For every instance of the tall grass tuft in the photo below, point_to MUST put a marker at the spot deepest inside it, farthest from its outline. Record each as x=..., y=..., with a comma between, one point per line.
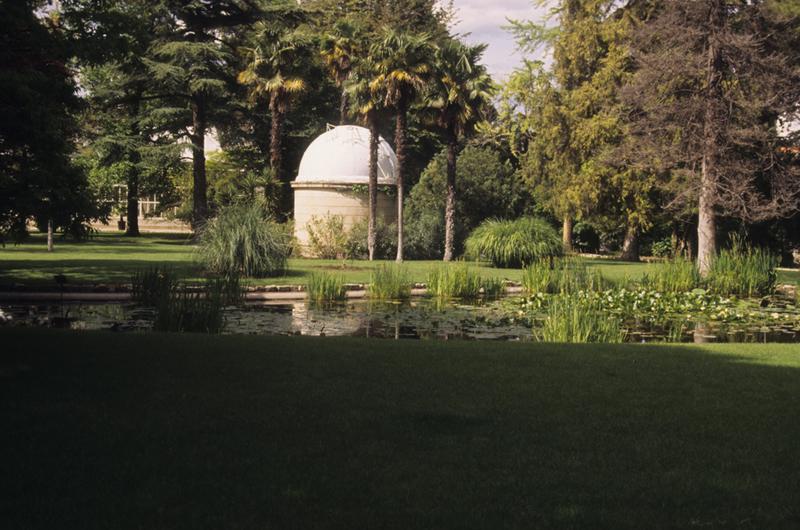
x=151, y=285
x=459, y=281
x=325, y=287
x=743, y=270
x=573, y=320
x=677, y=275
x=561, y=276
x=242, y=239
x=514, y=243
x=390, y=282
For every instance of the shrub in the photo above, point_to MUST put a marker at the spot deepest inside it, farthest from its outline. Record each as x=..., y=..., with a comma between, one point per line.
x=459, y=281
x=385, y=240
x=561, y=275
x=244, y=240
x=662, y=248
x=673, y=276
x=324, y=287
x=571, y=319
x=389, y=282
x=514, y=243
x=743, y=270
x=327, y=238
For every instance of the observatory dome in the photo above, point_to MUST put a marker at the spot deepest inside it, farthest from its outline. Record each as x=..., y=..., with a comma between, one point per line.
x=341, y=156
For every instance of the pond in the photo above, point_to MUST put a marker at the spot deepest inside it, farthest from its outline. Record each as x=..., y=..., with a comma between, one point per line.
x=419, y=319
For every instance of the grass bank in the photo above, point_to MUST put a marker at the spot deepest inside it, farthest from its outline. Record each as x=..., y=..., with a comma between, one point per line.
x=112, y=259
x=110, y=430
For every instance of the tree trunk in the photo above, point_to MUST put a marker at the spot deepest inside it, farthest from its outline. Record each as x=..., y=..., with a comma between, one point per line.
x=343, y=104
x=400, y=147
x=198, y=139
x=630, y=246
x=132, y=228
x=49, y=235
x=566, y=233
x=450, y=201
x=373, y=185
x=276, y=147
x=134, y=157
x=706, y=223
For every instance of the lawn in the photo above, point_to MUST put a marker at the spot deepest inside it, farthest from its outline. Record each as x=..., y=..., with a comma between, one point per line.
x=105, y=430
x=111, y=259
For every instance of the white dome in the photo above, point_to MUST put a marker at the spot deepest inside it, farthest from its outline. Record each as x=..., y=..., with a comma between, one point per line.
x=341, y=156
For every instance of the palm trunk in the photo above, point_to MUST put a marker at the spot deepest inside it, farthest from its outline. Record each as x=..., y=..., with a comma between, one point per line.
x=373, y=185
x=343, y=108
x=706, y=222
x=450, y=202
x=630, y=246
x=401, y=129
x=198, y=139
x=566, y=233
x=276, y=147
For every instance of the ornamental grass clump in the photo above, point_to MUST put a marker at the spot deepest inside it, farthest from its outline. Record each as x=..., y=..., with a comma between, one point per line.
x=561, y=276
x=459, y=281
x=244, y=240
x=574, y=320
x=673, y=276
x=390, y=282
x=513, y=244
x=743, y=270
x=191, y=311
x=324, y=287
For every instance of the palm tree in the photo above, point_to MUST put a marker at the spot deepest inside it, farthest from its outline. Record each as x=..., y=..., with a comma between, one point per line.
x=403, y=65
x=368, y=104
x=338, y=50
x=459, y=95
x=277, y=68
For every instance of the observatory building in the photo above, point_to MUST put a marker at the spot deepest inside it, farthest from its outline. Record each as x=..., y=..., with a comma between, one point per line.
x=333, y=179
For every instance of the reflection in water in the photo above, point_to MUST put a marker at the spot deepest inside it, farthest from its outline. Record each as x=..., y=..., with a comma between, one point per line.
x=419, y=319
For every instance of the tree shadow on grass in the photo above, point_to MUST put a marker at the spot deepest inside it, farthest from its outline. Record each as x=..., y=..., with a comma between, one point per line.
x=278, y=432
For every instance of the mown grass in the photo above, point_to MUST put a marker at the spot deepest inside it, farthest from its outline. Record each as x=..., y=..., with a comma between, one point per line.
x=105, y=430
x=113, y=259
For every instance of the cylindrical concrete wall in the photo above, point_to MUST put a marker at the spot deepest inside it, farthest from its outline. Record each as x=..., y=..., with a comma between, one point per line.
x=321, y=200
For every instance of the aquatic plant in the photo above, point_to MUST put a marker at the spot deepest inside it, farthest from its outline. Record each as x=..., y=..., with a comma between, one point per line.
x=570, y=319
x=513, y=243
x=672, y=276
x=389, y=282
x=244, y=240
x=190, y=311
x=454, y=281
x=561, y=275
x=324, y=287
x=150, y=286
x=743, y=270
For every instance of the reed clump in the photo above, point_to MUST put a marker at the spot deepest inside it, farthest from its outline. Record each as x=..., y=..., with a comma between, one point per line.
x=572, y=320
x=678, y=275
x=325, y=287
x=390, y=282
x=743, y=270
x=459, y=281
x=566, y=275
